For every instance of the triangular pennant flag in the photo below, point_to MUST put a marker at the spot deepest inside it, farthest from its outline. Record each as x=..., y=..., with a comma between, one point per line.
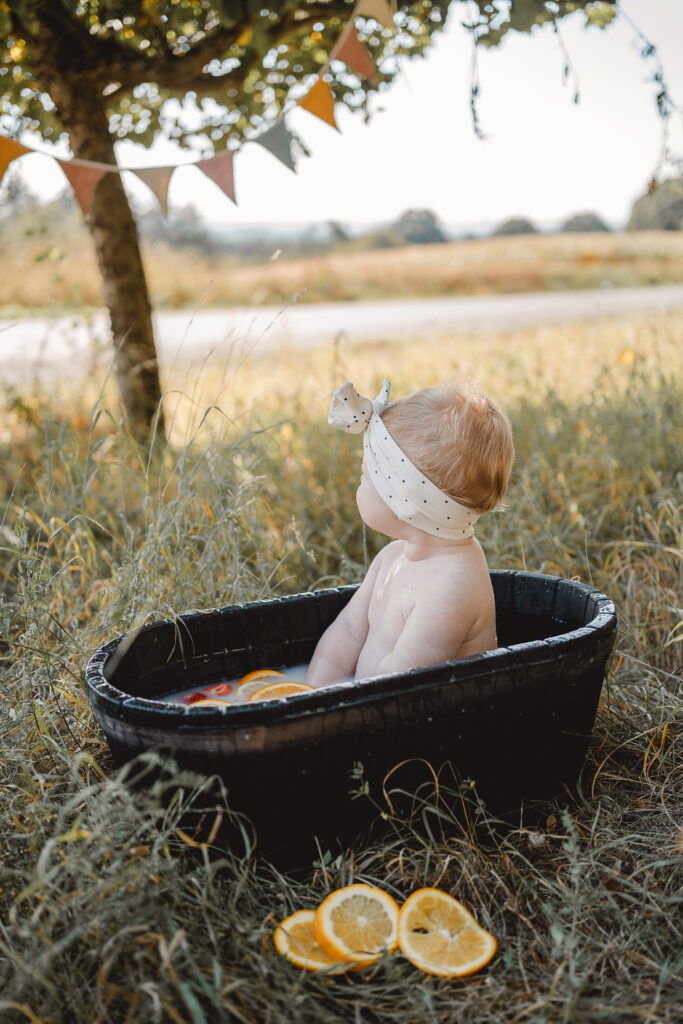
x=220, y=169
x=320, y=101
x=279, y=142
x=380, y=10
x=9, y=151
x=158, y=179
x=83, y=180
x=352, y=52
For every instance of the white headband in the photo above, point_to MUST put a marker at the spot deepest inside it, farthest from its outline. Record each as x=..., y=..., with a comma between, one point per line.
x=410, y=495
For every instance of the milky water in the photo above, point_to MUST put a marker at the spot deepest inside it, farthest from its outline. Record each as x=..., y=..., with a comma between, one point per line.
x=225, y=689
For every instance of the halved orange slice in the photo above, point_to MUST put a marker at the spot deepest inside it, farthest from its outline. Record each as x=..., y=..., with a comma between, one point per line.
x=357, y=923
x=258, y=673
x=287, y=688
x=439, y=936
x=295, y=939
x=256, y=680
x=209, y=702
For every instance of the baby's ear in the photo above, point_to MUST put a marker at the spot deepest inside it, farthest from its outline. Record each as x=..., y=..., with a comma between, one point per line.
x=348, y=410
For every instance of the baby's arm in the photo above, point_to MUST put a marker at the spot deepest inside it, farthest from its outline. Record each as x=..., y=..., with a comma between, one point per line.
x=336, y=654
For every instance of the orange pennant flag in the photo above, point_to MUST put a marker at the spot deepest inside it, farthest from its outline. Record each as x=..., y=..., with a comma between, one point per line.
x=9, y=151
x=320, y=101
x=220, y=169
x=352, y=52
x=83, y=180
x=157, y=179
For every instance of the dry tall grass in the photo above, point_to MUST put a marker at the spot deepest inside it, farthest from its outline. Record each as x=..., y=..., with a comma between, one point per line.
x=41, y=274
x=108, y=911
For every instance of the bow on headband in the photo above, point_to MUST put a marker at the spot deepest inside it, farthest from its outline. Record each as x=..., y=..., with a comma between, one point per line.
x=410, y=495
x=351, y=412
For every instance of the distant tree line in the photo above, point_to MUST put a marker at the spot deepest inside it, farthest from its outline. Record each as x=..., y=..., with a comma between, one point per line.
x=660, y=209
x=578, y=222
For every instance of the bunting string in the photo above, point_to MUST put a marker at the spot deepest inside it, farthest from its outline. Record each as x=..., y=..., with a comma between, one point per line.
x=85, y=175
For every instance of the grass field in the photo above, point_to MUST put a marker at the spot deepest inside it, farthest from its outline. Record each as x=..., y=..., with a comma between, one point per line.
x=48, y=273
x=110, y=914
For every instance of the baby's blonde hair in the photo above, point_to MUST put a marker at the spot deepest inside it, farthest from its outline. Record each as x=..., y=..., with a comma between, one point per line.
x=457, y=437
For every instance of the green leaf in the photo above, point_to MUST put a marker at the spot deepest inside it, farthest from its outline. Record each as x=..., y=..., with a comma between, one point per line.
x=600, y=13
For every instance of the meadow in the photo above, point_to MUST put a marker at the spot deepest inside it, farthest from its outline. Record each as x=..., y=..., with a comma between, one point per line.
x=64, y=273
x=110, y=910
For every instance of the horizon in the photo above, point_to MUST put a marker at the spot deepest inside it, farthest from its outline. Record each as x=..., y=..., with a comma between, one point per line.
x=456, y=232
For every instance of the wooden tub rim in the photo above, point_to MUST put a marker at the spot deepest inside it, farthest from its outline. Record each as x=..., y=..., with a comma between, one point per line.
x=110, y=702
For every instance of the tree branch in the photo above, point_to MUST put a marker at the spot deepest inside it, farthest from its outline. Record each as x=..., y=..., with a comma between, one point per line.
x=184, y=72
x=64, y=47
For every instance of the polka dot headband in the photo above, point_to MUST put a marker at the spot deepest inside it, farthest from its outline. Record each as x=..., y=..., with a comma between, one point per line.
x=410, y=495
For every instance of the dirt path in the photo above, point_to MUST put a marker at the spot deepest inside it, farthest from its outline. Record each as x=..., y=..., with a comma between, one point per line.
x=41, y=345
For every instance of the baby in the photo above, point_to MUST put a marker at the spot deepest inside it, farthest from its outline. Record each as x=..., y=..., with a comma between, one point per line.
x=433, y=463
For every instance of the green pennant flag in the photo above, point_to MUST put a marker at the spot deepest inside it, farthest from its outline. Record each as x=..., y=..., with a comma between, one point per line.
x=279, y=142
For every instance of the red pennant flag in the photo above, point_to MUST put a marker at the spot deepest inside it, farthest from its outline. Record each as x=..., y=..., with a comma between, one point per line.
x=83, y=180
x=320, y=101
x=9, y=151
x=221, y=170
x=352, y=52
x=157, y=179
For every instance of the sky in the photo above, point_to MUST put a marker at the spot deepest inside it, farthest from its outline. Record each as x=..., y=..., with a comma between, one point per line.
x=544, y=157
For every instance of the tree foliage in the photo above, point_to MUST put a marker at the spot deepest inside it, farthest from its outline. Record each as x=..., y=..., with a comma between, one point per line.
x=515, y=226
x=660, y=209
x=201, y=72
x=419, y=227
x=210, y=73
x=584, y=222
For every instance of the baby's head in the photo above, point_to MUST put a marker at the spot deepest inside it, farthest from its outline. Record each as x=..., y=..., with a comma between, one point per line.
x=457, y=437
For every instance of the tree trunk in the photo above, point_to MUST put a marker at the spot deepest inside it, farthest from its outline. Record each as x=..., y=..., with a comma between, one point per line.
x=114, y=233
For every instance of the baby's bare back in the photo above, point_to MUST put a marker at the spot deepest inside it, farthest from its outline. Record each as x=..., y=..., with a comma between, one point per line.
x=427, y=611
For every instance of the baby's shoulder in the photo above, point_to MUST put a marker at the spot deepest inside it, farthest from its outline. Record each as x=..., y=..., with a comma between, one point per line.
x=450, y=578
x=389, y=553
x=381, y=564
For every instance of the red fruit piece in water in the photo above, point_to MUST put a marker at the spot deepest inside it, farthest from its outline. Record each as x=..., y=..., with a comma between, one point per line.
x=219, y=690
x=194, y=697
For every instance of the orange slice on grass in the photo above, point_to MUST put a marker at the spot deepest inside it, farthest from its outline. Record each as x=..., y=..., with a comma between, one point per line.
x=287, y=688
x=356, y=924
x=294, y=938
x=439, y=936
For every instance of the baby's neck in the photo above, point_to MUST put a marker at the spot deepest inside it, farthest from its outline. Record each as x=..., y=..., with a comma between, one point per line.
x=423, y=545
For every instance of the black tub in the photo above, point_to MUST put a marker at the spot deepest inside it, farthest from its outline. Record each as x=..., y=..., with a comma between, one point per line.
x=517, y=719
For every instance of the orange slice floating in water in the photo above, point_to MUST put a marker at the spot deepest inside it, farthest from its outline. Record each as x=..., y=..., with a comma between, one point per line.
x=256, y=680
x=286, y=688
x=439, y=936
x=259, y=673
x=209, y=702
